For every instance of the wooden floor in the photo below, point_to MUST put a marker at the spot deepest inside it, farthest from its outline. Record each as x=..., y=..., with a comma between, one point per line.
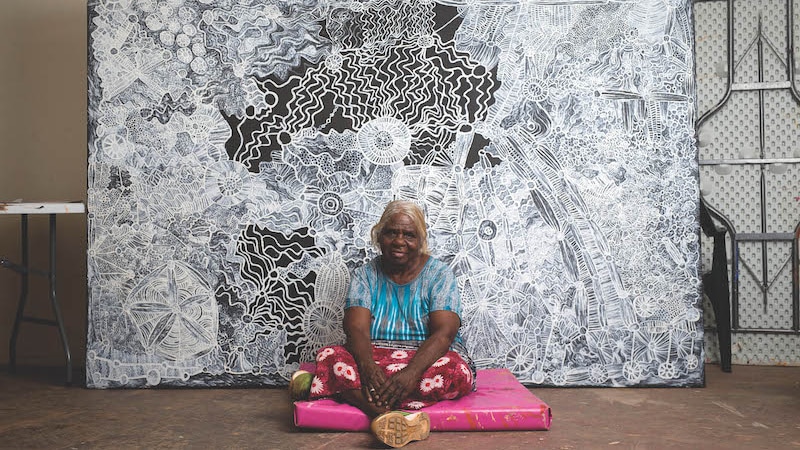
x=751, y=408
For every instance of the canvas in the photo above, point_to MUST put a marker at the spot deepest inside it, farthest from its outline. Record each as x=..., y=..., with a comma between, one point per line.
x=241, y=150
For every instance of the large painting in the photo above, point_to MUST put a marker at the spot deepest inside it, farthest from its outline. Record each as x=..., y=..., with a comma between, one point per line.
x=240, y=151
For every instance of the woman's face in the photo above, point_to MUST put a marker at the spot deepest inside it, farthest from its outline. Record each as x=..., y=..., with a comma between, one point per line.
x=399, y=241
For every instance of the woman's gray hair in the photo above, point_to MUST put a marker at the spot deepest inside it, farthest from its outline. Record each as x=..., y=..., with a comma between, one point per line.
x=411, y=210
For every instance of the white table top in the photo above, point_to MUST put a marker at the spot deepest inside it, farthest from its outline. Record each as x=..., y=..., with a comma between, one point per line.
x=42, y=208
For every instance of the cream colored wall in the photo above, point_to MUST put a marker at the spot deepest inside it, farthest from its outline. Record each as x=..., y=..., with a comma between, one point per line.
x=43, y=157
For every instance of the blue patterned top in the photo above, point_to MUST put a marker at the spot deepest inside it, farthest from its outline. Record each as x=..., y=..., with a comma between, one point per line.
x=400, y=311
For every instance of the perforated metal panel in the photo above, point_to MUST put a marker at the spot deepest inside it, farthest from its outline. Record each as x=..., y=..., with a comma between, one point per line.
x=735, y=190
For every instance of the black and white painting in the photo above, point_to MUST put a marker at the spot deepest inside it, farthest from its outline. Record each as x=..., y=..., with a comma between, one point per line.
x=241, y=150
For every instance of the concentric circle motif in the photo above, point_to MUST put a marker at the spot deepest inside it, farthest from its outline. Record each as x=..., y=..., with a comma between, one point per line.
x=384, y=140
x=632, y=371
x=226, y=182
x=667, y=370
x=535, y=89
x=559, y=377
x=334, y=62
x=322, y=323
x=153, y=377
x=487, y=230
x=521, y=359
x=598, y=373
x=330, y=204
x=115, y=146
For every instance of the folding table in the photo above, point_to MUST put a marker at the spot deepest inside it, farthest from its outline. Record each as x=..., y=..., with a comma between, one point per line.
x=25, y=270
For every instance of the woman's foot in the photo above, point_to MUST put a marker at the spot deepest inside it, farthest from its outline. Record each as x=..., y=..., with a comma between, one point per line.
x=398, y=428
x=356, y=398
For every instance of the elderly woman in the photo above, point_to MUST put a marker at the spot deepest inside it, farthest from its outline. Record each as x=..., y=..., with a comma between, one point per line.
x=403, y=349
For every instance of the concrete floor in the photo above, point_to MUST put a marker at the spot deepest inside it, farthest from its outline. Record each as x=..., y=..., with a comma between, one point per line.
x=753, y=408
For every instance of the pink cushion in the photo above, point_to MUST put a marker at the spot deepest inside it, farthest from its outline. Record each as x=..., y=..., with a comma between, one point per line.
x=500, y=403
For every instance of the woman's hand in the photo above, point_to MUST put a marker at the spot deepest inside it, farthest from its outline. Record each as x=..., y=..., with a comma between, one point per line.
x=397, y=388
x=372, y=379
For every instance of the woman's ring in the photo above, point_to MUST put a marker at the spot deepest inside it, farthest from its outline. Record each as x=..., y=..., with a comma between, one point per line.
x=372, y=389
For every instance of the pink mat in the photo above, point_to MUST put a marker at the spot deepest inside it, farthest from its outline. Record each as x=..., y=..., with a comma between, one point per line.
x=500, y=403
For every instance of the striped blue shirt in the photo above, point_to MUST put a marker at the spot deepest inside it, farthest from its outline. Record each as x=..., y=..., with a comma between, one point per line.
x=400, y=311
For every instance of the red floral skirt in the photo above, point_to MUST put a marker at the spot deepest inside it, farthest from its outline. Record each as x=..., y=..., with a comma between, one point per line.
x=448, y=378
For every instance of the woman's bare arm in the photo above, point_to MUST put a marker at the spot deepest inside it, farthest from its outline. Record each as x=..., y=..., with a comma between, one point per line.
x=357, y=322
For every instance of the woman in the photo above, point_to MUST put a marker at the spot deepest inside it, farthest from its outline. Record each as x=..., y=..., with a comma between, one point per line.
x=401, y=320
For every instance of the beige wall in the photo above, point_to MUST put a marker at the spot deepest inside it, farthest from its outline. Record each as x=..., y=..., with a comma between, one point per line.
x=43, y=157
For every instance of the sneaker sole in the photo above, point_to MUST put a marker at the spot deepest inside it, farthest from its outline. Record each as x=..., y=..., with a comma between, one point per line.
x=397, y=429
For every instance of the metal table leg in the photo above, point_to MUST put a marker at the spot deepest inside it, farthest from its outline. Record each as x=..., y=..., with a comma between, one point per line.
x=25, y=270
x=56, y=308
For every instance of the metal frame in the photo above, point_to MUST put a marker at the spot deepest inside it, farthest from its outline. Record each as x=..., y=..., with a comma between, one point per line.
x=763, y=237
x=25, y=271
